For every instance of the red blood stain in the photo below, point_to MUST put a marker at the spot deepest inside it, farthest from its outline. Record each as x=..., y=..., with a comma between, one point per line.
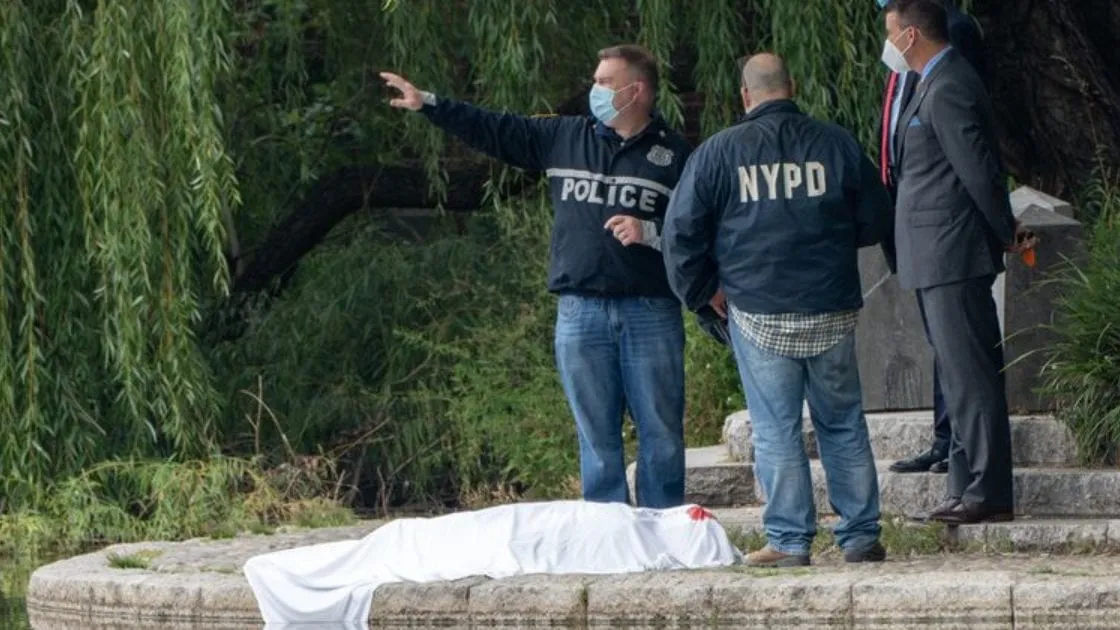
x=698, y=513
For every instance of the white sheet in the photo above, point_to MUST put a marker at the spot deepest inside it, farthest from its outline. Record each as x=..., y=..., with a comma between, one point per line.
x=334, y=582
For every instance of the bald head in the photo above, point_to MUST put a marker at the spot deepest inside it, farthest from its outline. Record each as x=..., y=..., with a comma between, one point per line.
x=765, y=78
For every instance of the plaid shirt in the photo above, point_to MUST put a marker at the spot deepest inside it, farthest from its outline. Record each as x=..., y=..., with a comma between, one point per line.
x=795, y=335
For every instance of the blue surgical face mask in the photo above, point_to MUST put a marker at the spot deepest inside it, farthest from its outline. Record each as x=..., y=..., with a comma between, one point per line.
x=602, y=103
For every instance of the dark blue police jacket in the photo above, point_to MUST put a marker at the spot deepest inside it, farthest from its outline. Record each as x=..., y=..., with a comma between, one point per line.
x=593, y=174
x=774, y=210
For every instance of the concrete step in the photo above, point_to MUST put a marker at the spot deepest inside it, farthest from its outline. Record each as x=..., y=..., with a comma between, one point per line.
x=714, y=479
x=1036, y=440
x=1024, y=535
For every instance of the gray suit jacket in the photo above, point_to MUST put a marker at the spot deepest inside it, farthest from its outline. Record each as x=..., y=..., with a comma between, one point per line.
x=952, y=216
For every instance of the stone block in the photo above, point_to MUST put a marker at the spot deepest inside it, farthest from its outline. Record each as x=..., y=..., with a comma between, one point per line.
x=737, y=436
x=524, y=600
x=673, y=598
x=1026, y=303
x=1066, y=602
x=783, y=601
x=1036, y=440
x=1039, y=492
x=1024, y=196
x=1050, y=536
x=973, y=600
x=426, y=603
x=895, y=360
x=712, y=478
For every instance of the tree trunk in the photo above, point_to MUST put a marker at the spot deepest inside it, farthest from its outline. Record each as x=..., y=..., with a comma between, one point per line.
x=340, y=194
x=1054, y=77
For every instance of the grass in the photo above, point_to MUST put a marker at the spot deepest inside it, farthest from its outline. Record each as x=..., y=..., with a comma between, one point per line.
x=899, y=536
x=138, y=560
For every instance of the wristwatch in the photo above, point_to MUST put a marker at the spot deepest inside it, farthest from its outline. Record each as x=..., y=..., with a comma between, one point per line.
x=428, y=98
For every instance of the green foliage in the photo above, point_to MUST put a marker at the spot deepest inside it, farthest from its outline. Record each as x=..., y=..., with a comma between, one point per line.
x=832, y=49
x=134, y=500
x=1083, y=369
x=712, y=387
x=139, y=560
x=132, y=133
x=427, y=364
x=115, y=177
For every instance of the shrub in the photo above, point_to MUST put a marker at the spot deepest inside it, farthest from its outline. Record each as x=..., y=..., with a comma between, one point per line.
x=427, y=365
x=1083, y=367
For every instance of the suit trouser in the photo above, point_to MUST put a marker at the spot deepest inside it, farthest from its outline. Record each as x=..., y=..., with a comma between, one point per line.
x=964, y=331
x=942, y=428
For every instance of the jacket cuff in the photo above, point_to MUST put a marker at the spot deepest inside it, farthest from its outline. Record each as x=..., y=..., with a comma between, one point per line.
x=650, y=234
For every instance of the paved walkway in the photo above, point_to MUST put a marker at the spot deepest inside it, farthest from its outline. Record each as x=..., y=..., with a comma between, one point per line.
x=198, y=584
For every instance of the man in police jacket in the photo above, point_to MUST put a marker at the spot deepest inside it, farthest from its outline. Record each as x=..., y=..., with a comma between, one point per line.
x=619, y=336
x=770, y=215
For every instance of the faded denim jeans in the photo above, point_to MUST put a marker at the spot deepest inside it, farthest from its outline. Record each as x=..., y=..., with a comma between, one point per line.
x=619, y=353
x=776, y=387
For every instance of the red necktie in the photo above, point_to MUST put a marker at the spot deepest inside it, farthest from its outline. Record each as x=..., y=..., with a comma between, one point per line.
x=884, y=146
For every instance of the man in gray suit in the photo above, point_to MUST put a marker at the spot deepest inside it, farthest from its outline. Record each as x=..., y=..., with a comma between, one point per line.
x=953, y=223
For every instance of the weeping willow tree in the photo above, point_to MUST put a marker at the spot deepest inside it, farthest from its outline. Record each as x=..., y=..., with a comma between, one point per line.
x=155, y=151
x=114, y=181
x=132, y=131
x=314, y=67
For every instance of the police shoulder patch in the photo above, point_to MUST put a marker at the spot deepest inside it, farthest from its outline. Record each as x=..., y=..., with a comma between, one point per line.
x=660, y=155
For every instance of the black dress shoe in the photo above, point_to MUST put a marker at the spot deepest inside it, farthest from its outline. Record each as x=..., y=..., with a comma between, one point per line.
x=944, y=509
x=968, y=513
x=918, y=463
x=940, y=467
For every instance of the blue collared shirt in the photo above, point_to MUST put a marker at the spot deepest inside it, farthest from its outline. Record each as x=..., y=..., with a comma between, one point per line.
x=898, y=98
x=933, y=62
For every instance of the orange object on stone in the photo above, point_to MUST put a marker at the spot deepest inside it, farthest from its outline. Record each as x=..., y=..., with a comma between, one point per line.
x=1028, y=257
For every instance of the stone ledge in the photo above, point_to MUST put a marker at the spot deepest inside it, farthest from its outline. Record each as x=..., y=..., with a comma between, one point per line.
x=1024, y=535
x=1036, y=440
x=1039, y=492
x=985, y=591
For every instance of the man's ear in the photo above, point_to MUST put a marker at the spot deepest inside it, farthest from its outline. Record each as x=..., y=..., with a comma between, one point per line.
x=746, y=98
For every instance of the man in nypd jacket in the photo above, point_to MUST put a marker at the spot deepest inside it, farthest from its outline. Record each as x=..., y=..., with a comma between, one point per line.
x=769, y=217
x=619, y=336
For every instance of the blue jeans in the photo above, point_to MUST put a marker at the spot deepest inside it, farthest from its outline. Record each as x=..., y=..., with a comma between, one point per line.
x=775, y=387
x=616, y=353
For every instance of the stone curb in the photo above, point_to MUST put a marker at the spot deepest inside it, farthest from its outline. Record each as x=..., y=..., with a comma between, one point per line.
x=1037, y=440
x=939, y=592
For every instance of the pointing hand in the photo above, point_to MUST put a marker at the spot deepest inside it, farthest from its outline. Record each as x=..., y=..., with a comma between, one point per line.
x=410, y=96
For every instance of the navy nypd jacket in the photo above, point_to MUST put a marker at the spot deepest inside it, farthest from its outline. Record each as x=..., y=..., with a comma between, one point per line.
x=593, y=175
x=774, y=211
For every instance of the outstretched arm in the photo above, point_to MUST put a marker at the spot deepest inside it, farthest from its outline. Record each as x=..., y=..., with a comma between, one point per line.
x=520, y=141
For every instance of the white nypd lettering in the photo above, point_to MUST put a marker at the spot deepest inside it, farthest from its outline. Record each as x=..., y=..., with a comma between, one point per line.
x=609, y=190
x=809, y=176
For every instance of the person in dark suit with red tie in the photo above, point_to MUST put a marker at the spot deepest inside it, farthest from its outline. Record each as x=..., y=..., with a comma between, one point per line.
x=966, y=37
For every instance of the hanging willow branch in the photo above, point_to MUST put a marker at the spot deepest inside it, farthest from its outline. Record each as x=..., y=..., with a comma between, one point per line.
x=115, y=175
x=118, y=123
